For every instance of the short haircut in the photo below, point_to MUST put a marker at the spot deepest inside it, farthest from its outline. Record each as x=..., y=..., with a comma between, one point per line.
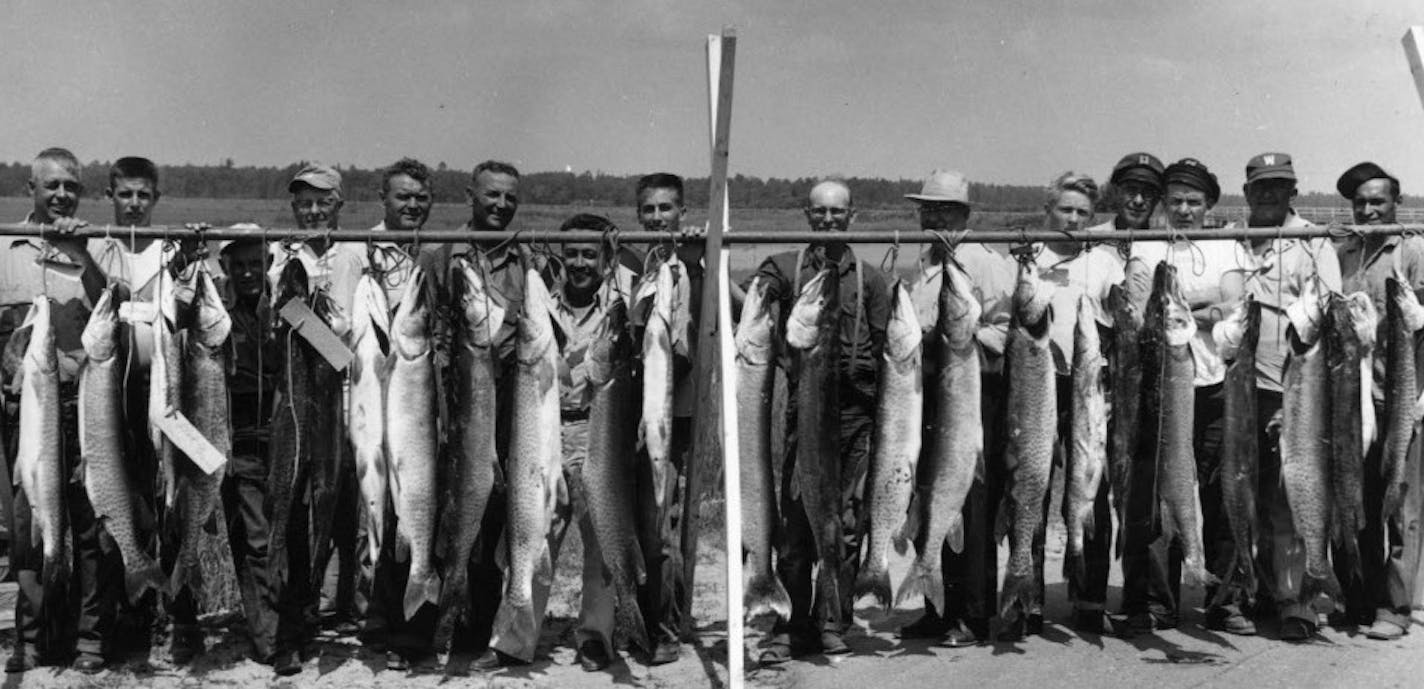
x=498, y=167
x=59, y=155
x=588, y=221
x=410, y=167
x=660, y=180
x=133, y=167
x=838, y=181
x=1073, y=181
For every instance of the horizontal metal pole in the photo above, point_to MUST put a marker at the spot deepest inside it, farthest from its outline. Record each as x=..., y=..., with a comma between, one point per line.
x=732, y=236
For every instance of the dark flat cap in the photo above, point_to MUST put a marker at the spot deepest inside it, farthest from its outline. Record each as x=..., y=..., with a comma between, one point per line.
x=1350, y=182
x=1193, y=173
x=1139, y=167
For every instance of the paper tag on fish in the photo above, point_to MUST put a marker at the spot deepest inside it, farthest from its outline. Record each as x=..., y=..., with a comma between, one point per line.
x=138, y=312
x=189, y=439
x=307, y=324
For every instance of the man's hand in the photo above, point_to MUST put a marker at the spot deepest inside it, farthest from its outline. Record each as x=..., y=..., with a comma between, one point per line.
x=76, y=248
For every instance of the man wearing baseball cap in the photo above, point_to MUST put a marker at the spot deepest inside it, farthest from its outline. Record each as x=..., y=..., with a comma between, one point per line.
x=970, y=576
x=1275, y=271
x=1380, y=598
x=1134, y=188
x=316, y=205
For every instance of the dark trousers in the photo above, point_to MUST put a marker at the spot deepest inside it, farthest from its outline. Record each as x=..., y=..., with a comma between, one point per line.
x=385, y=612
x=660, y=535
x=797, y=552
x=1152, y=571
x=346, y=536
x=1387, y=563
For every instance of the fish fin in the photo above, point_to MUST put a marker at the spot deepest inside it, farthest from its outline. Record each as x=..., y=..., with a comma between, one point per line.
x=1016, y=597
x=873, y=579
x=146, y=575
x=516, y=622
x=955, y=537
x=418, y=592
x=910, y=529
x=454, y=599
x=767, y=594
x=629, y=616
x=1311, y=586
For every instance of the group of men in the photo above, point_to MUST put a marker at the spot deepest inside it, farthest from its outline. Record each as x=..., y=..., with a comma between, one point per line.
x=96, y=623
x=1215, y=275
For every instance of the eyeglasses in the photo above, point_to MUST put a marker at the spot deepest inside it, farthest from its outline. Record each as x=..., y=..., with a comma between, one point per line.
x=1147, y=193
x=826, y=212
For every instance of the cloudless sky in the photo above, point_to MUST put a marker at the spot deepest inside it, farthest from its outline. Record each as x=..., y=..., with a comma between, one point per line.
x=1009, y=91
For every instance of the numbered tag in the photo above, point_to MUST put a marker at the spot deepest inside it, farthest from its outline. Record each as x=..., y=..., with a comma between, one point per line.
x=306, y=323
x=138, y=312
x=188, y=439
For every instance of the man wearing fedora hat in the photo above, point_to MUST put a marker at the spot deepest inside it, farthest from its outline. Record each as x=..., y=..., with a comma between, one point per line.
x=1380, y=597
x=970, y=576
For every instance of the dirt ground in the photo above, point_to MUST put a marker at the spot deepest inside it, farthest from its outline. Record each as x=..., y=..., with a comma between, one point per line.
x=341, y=662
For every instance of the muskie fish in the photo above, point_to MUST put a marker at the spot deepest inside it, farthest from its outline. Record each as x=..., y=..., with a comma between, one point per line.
x=534, y=467
x=411, y=442
x=1236, y=338
x=898, y=426
x=101, y=443
x=1167, y=416
x=610, y=471
x=655, y=429
x=1125, y=392
x=813, y=332
x=1404, y=317
x=288, y=450
x=756, y=356
x=165, y=382
x=1305, y=442
x=205, y=556
x=370, y=339
x=957, y=446
x=472, y=450
x=1349, y=339
x=1087, y=450
x=39, y=464
x=326, y=435
x=1031, y=423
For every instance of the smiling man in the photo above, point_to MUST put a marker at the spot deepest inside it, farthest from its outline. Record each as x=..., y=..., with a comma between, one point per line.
x=1133, y=191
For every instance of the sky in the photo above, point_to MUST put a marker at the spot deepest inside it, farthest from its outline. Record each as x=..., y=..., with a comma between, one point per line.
x=1006, y=91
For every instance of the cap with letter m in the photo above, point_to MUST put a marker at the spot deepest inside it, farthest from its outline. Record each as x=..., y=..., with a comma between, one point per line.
x=1270, y=166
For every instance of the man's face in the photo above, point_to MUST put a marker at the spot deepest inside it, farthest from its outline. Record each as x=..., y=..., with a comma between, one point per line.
x=583, y=266
x=55, y=189
x=1136, y=202
x=247, y=264
x=1071, y=211
x=1186, y=206
x=1374, y=203
x=407, y=203
x=1270, y=201
x=828, y=208
x=660, y=210
x=945, y=217
x=133, y=199
x=315, y=208
x=493, y=197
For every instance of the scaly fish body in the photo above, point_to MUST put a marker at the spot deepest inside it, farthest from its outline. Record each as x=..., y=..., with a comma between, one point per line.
x=1087, y=449
x=655, y=429
x=1404, y=317
x=365, y=416
x=756, y=355
x=39, y=464
x=1125, y=393
x=1236, y=339
x=1031, y=425
x=288, y=450
x=1349, y=339
x=326, y=434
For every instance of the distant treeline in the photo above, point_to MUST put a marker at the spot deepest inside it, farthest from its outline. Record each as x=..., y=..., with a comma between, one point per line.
x=229, y=181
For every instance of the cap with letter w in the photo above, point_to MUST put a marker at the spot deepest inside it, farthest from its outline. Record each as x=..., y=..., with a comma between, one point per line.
x=1270, y=166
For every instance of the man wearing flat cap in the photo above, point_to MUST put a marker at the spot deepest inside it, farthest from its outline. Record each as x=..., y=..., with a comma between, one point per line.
x=1134, y=188
x=1151, y=597
x=1275, y=271
x=970, y=576
x=1380, y=599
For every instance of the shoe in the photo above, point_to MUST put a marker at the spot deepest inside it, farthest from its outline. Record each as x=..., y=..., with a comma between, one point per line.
x=666, y=652
x=492, y=660
x=345, y=627
x=1147, y=622
x=22, y=662
x=1091, y=621
x=833, y=644
x=89, y=663
x=183, y=652
x=1035, y=624
x=1384, y=630
x=959, y=635
x=287, y=663
x=927, y=627
x=1013, y=631
x=1297, y=629
x=775, y=651
x=1230, y=621
x=397, y=662
x=592, y=656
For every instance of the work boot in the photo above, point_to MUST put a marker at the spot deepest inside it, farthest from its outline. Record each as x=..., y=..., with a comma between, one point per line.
x=833, y=643
x=89, y=663
x=592, y=656
x=929, y=626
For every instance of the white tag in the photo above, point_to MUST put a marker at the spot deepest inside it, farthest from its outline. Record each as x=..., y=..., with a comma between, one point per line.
x=188, y=439
x=306, y=323
x=138, y=312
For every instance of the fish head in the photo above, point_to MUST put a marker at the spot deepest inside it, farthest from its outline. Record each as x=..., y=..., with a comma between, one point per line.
x=40, y=351
x=536, y=326
x=903, y=335
x=1238, y=330
x=959, y=310
x=612, y=345
x=100, y=336
x=803, y=324
x=1404, y=302
x=1085, y=328
x=1032, y=295
x=370, y=312
x=1169, y=304
x=291, y=284
x=480, y=316
x=1307, y=313
x=331, y=313
x=1363, y=316
x=211, y=324
x=756, y=330
x=410, y=329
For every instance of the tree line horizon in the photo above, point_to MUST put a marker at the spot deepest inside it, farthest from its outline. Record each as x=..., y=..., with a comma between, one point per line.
x=587, y=188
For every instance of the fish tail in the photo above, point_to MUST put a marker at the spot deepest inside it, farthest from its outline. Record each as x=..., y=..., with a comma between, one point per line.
x=873, y=579
x=1017, y=596
x=454, y=599
x=629, y=617
x=1312, y=585
x=925, y=578
x=147, y=574
x=418, y=592
x=1393, y=501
